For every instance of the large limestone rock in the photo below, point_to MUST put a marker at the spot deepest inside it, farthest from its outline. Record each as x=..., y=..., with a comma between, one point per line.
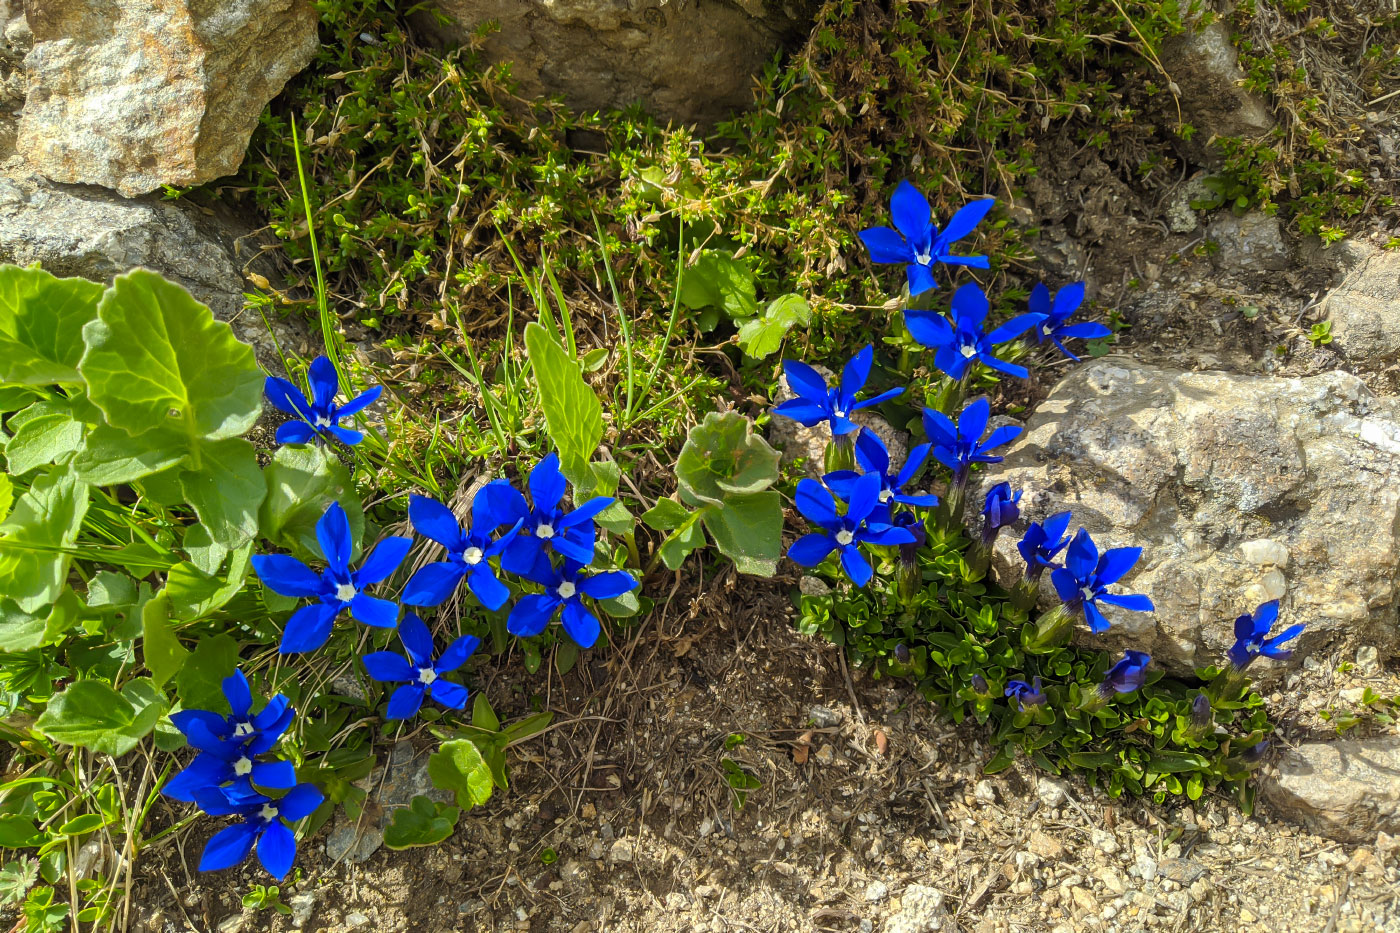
x=136, y=94
x=1205, y=66
x=688, y=61
x=1365, y=310
x=1239, y=488
x=1347, y=790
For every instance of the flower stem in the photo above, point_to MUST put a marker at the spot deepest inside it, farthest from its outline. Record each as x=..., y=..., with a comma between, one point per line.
x=840, y=453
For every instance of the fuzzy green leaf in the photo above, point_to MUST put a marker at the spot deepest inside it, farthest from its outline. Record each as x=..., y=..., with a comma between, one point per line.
x=41, y=325
x=749, y=531
x=197, y=683
x=723, y=457
x=44, y=523
x=421, y=823
x=110, y=456
x=157, y=358
x=763, y=335
x=718, y=280
x=572, y=412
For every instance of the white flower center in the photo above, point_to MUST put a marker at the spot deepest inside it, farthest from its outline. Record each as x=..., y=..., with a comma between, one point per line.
x=346, y=592
x=969, y=351
x=1086, y=594
x=544, y=530
x=886, y=495
x=844, y=537
x=322, y=421
x=242, y=729
x=566, y=590
x=268, y=812
x=924, y=257
x=840, y=412
x=473, y=555
x=426, y=676
x=243, y=766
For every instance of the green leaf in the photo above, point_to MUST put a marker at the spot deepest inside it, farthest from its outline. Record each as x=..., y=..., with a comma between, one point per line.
x=7, y=495
x=109, y=590
x=721, y=457
x=421, y=823
x=44, y=523
x=572, y=412
x=19, y=832
x=302, y=481
x=41, y=325
x=110, y=456
x=616, y=518
x=92, y=715
x=17, y=877
x=226, y=491
x=483, y=716
x=1175, y=762
x=458, y=766
x=205, y=553
x=157, y=358
x=748, y=530
x=666, y=515
x=45, y=432
x=194, y=593
x=161, y=650
x=718, y=280
x=763, y=335
x=21, y=631
x=198, y=682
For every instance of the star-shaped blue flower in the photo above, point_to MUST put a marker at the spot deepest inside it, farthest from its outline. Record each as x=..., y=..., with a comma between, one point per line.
x=547, y=527
x=1002, y=507
x=874, y=458
x=419, y=674
x=320, y=416
x=1252, y=637
x=1042, y=541
x=961, y=342
x=337, y=587
x=469, y=553
x=229, y=745
x=844, y=533
x=816, y=403
x=1127, y=675
x=266, y=823
x=564, y=589
x=1052, y=317
x=1025, y=694
x=1082, y=583
x=917, y=243
x=958, y=446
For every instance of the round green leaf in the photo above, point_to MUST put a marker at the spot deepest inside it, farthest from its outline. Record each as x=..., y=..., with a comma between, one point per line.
x=41, y=325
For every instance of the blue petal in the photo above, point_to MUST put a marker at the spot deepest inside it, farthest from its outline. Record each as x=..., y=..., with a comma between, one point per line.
x=308, y=629
x=417, y=640
x=435, y=521
x=880, y=399
x=1068, y=300
x=1134, y=602
x=1066, y=585
x=228, y=847
x=919, y=277
x=490, y=592
x=199, y=775
x=379, y=613
x=582, y=625
x=547, y=485
x=346, y=436
x=577, y=544
x=585, y=512
x=432, y=584
x=854, y=375
x=972, y=262
x=886, y=245
x=299, y=802
x=276, y=774
x=911, y=213
x=286, y=397
x=1039, y=301
x=608, y=585
x=815, y=503
x=382, y=561
x=965, y=220
x=940, y=428
x=456, y=654
x=1114, y=563
x=811, y=549
x=359, y=403
x=1089, y=330
x=912, y=464
x=805, y=382
x=388, y=667
x=239, y=694
x=865, y=495
x=277, y=849
x=1082, y=556
x=806, y=413
x=1265, y=616
x=1011, y=369
x=972, y=422
x=887, y=535
x=286, y=575
x=1098, y=623
x=871, y=453
x=294, y=432
x=209, y=723
x=1013, y=328
x=449, y=694
x=855, y=565
x=951, y=362
x=406, y=702
x=1001, y=436
x=841, y=482
x=970, y=307
x=505, y=501
x=333, y=533
x=531, y=614
x=325, y=383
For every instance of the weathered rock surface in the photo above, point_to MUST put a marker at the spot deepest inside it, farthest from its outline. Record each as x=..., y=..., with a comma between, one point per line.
x=93, y=234
x=406, y=778
x=136, y=94
x=1250, y=242
x=1205, y=66
x=1239, y=489
x=1346, y=790
x=1365, y=310
x=692, y=62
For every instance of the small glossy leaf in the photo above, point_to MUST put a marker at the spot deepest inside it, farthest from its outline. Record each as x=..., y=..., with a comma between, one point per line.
x=458, y=766
x=422, y=823
x=763, y=335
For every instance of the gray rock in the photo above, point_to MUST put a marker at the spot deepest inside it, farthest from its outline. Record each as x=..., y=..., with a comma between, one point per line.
x=136, y=94
x=1181, y=216
x=1251, y=242
x=301, y=906
x=797, y=442
x=691, y=62
x=1238, y=488
x=1347, y=790
x=920, y=911
x=391, y=786
x=1365, y=310
x=1206, y=70
x=87, y=232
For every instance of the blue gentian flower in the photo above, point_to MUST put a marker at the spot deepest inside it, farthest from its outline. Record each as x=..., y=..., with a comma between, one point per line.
x=917, y=243
x=265, y=822
x=418, y=673
x=874, y=458
x=960, y=342
x=337, y=587
x=546, y=527
x=1251, y=637
x=320, y=416
x=564, y=590
x=1025, y=694
x=1052, y=318
x=847, y=532
x=230, y=744
x=1201, y=718
x=980, y=685
x=1083, y=581
x=816, y=403
x=1255, y=753
x=1000, y=509
x=959, y=446
x=468, y=553
x=1127, y=675
x=1041, y=542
